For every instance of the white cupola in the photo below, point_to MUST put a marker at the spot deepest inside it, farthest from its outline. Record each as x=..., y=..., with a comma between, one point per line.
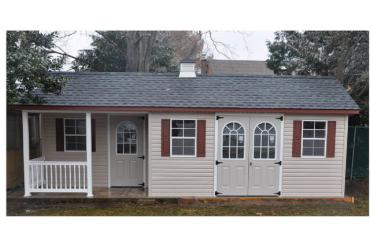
x=187, y=68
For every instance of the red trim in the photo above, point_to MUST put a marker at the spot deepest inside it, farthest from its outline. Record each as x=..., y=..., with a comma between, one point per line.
x=165, y=137
x=201, y=138
x=185, y=110
x=330, y=142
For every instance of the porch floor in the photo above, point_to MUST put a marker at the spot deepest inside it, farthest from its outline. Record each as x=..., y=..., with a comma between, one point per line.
x=99, y=192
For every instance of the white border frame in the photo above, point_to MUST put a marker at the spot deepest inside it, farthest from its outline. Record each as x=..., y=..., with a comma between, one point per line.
x=222, y=142
x=195, y=138
x=64, y=135
x=124, y=140
x=252, y=147
x=325, y=141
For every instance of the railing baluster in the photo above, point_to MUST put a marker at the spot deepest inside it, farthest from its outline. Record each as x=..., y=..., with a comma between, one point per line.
x=60, y=176
x=70, y=177
x=83, y=174
x=79, y=176
x=47, y=176
x=37, y=176
x=65, y=176
x=74, y=176
x=42, y=176
x=31, y=176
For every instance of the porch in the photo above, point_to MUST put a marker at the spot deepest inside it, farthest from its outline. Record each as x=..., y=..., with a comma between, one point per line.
x=75, y=160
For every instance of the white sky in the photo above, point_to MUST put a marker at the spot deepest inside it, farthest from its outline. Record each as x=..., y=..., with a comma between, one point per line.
x=244, y=45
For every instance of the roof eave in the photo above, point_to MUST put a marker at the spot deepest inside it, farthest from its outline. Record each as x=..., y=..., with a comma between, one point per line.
x=185, y=109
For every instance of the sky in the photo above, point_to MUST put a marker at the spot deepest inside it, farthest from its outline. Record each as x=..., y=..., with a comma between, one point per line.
x=241, y=45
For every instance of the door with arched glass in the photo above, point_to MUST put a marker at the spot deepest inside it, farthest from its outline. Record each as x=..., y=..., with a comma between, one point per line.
x=232, y=163
x=264, y=154
x=126, y=151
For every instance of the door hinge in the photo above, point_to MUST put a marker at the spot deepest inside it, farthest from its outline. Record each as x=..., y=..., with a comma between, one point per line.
x=278, y=162
x=217, y=193
x=142, y=184
x=281, y=118
x=218, y=162
x=278, y=193
x=141, y=157
x=219, y=117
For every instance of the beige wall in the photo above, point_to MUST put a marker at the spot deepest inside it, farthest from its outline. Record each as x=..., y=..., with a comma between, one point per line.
x=314, y=177
x=99, y=158
x=180, y=176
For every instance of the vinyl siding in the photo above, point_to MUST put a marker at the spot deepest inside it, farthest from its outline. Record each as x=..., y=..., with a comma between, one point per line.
x=180, y=176
x=99, y=158
x=314, y=177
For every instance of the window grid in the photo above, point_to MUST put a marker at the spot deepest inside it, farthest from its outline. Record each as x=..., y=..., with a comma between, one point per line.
x=314, y=138
x=181, y=144
x=75, y=134
x=126, y=138
x=233, y=149
x=264, y=141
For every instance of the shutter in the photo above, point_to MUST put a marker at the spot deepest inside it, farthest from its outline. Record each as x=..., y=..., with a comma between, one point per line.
x=93, y=137
x=297, y=134
x=165, y=137
x=330, y=141
x=201, y=138
x=59, y=134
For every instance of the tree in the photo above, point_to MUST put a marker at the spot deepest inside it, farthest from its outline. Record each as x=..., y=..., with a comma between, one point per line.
x=343, y=54
x=30, y=59
x=138, y=51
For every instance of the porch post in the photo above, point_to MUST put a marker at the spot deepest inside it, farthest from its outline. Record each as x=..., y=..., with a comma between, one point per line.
x=26, y=154
x=89, y=154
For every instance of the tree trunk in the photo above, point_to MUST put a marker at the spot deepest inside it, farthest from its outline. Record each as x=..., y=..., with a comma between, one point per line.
x=139, y=49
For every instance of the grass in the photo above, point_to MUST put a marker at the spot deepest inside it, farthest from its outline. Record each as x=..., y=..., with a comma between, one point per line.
x=357, y=189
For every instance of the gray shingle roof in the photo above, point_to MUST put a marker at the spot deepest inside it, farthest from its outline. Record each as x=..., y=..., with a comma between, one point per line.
x=238, y=67
x=168, y=90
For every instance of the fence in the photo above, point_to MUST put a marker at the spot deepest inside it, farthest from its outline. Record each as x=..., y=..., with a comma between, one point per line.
x=357, y=152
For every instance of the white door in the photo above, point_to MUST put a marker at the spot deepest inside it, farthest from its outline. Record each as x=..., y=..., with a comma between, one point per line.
x=126, y=149
x=264, y=151
x=232, y=160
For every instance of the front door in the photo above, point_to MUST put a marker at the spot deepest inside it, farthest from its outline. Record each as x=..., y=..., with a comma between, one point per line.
x=126, y=149
x=232, y=163
x=264, y=154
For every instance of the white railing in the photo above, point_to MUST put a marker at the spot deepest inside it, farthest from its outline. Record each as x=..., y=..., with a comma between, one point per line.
x=58, y=176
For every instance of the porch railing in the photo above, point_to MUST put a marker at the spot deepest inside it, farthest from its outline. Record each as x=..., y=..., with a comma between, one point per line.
x=58, y=176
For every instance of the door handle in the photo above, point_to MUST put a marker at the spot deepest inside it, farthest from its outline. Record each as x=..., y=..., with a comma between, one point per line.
x=141, y=157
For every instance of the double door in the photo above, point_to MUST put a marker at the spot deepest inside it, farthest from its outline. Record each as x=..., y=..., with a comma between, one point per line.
x=248, y=157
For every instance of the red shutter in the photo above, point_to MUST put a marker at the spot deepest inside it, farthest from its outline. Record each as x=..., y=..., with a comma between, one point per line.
x=297, y=134
x=93, y=137
x=165, y=137
x=59, y=134
x=201, y=138
x=330, y=141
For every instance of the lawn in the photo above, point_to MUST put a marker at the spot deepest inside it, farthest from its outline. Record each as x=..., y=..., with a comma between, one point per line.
x=357, y=189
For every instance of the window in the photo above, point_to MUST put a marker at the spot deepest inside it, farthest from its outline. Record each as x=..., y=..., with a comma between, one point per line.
x=183, y=137
x=75, y=134
x=233, y=141
x=126, y=138
x=264, y=141
x=313, y=138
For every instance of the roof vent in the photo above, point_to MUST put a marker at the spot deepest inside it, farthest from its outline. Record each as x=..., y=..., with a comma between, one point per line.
x=187, y=68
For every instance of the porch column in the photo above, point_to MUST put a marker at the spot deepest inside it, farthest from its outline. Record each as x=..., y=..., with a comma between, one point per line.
x=26, y=154
x=89, y=154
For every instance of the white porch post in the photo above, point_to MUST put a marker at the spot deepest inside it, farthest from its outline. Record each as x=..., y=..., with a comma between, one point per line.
x=26, y=153
x=89, y=154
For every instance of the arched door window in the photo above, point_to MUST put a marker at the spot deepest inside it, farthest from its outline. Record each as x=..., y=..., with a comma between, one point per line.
x=264, y=141
x=233, y=141
x=126, y=138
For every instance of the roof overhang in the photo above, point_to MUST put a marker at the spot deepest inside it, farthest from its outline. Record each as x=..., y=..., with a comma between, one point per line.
x=184, y=110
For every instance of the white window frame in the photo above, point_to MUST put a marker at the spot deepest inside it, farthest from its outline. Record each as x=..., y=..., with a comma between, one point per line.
x=183, y=137
x=276, y=142
x=222, y=142
x=137, y=136
x=65, y=135
x=320, y=139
